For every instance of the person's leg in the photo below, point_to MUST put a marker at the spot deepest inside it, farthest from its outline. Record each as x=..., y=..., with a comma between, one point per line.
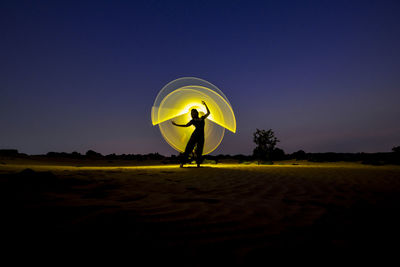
x=199, y=151
x=189, y=148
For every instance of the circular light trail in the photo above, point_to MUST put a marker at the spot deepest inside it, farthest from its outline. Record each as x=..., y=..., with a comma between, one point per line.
x=177, y=98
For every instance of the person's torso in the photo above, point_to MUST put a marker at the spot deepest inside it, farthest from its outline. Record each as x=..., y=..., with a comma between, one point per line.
x=199, y=124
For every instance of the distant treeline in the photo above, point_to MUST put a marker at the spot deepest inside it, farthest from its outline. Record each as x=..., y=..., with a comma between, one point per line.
x=365, y=158
x=90, y=154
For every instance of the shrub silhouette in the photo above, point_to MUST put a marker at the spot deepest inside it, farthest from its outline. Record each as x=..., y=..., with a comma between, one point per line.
x=93, y=154
x=278, y=154
x=299, y=155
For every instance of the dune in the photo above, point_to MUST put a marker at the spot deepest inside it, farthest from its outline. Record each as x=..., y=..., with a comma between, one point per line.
x=229, y=212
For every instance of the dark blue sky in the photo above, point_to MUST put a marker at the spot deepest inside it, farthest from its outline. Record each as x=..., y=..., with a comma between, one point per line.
x=324, y=75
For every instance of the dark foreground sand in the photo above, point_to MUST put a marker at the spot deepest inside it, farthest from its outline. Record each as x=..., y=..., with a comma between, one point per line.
x=216, y=214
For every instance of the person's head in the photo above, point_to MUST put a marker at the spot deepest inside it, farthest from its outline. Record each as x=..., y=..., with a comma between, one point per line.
x=195, y=113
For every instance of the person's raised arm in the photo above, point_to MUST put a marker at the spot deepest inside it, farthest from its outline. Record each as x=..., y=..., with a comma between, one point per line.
x=208, y=111
x=182, y=125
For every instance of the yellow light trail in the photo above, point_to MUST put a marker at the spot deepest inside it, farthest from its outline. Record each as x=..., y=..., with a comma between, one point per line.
x=175, y=101
x=182, y=100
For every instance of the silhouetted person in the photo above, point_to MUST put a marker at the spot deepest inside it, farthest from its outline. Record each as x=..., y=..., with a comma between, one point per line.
x=197, y=137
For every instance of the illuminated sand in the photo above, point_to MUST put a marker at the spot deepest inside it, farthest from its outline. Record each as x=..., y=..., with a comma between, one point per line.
x=235, y=213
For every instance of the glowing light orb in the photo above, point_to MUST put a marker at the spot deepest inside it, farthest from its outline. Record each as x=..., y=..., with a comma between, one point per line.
x=174, y=103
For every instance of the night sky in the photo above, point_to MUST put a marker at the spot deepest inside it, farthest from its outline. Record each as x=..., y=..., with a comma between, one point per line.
x=324, y=75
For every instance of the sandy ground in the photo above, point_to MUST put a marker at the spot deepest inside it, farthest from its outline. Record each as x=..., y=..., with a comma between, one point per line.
x=230, y=213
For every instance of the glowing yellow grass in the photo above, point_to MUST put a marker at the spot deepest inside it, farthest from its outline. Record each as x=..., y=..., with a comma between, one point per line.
x=250, y=167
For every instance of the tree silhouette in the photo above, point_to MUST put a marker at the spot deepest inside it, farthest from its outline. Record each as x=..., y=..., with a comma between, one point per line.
x=266, y=142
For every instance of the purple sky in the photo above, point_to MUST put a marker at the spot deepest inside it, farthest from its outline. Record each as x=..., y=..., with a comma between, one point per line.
x=324, y=75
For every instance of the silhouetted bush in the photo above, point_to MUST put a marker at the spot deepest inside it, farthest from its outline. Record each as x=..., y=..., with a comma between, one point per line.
x=93, y=154
x=299, y=155
x=278, y=154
